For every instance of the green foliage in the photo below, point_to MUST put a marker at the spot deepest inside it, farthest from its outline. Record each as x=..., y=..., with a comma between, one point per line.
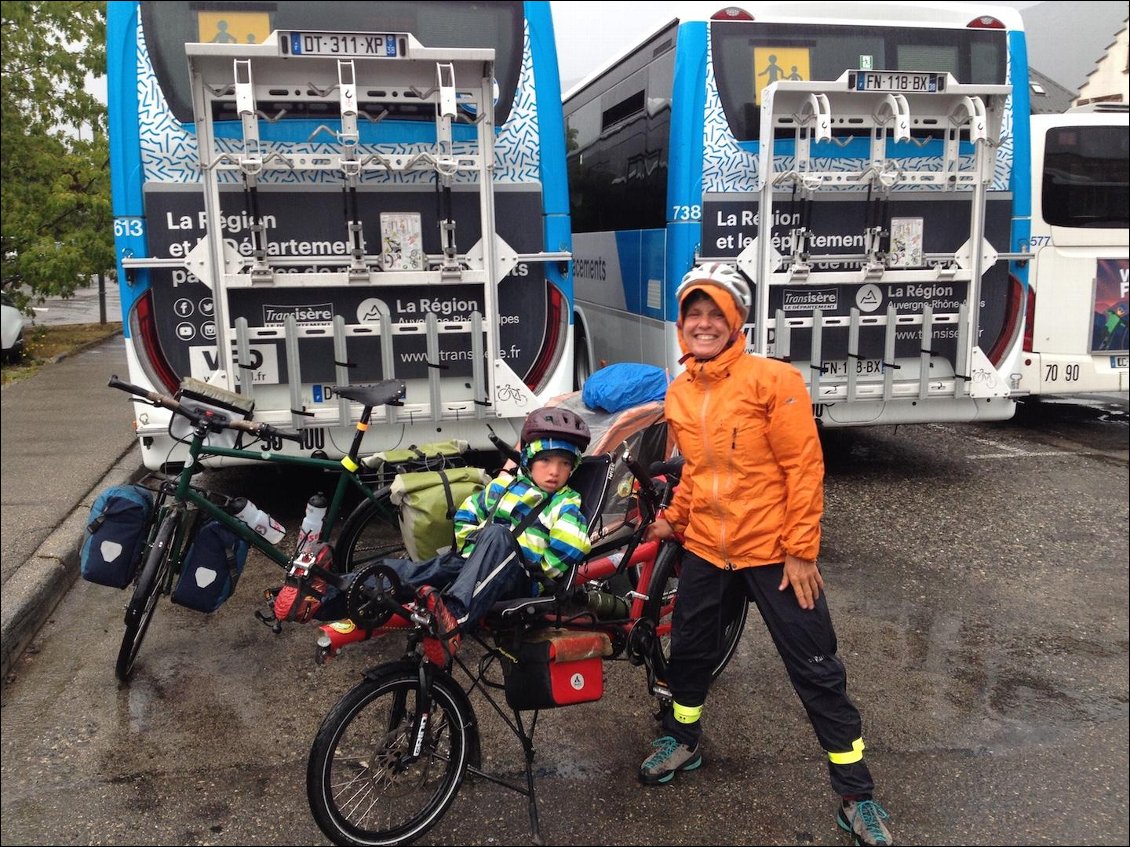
x=57, y=228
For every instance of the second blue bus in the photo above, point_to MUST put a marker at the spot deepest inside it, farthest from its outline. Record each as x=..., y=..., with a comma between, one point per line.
x=888, y=146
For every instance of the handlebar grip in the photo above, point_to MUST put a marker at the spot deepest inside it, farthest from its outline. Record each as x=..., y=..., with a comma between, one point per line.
x=128, y=387
x=505, y=449
x=289, y=436
x=262, y=430
x=672, y=468
x=154, y=397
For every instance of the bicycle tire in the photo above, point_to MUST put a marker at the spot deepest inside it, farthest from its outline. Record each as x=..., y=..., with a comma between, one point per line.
x=146, y=591
x=370, y=533
x=662, y=595
x=359, y=791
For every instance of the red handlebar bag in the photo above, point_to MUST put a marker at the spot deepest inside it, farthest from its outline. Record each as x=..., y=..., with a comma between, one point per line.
x=556, y=667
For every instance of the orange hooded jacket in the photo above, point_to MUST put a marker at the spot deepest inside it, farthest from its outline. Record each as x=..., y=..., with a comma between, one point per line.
x=752, y=488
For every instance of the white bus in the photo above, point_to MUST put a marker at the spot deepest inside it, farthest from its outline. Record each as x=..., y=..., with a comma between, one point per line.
x=1075, y=338
x=886, y=144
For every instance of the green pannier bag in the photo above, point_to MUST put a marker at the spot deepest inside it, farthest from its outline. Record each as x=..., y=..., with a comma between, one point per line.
x=428, y=501
x=451, y=451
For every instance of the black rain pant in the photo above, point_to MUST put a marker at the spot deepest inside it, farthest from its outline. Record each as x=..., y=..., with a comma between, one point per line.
x=805, y=639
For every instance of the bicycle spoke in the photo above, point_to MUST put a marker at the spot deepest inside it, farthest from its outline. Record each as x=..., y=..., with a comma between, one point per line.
x=363, y=780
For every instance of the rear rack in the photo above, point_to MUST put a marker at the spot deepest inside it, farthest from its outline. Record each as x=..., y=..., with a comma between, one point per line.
x=257, y=80
x=808, y=113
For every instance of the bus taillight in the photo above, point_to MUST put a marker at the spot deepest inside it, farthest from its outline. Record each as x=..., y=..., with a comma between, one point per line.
x=1030, y=321
x=143, y=328
x=550, y=353
x=1014, y=313
x=731, y=13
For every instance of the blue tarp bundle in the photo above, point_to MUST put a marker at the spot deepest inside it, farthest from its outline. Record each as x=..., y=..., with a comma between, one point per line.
x=623, y=385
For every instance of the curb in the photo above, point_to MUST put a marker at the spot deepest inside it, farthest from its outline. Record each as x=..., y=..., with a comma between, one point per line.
x=58, y=357
x=33, y=592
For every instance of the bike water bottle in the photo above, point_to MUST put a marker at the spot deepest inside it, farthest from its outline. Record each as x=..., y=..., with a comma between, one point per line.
x=257, y=519
x=607, y=606
x=312, y=523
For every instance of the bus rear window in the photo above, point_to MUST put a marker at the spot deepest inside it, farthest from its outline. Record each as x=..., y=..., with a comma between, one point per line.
x=747, y=56
x=1086, y=177
x=169, y=25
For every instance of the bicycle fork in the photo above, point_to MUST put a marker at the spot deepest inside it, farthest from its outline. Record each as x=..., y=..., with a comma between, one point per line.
x=420, y=720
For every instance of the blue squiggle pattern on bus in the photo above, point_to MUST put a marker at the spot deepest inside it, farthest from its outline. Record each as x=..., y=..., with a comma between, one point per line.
x=727, y=168
x=169, y=151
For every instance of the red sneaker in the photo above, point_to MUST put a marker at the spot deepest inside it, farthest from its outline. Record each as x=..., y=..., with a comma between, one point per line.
x=440, y=648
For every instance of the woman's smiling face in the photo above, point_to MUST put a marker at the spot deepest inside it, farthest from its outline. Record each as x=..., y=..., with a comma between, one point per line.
x=705, y=331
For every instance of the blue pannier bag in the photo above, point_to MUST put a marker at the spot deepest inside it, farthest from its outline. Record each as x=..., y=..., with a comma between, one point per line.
x=622, y=385
x=212, y=567
x=115, y=535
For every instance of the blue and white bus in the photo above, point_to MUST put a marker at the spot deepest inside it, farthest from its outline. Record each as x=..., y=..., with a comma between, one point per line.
x=316, y=194
x=897, y=187
x=1075, y=335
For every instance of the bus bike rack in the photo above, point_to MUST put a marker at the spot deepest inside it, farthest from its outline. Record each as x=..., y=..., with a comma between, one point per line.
x=811, y=111
x=254, y=77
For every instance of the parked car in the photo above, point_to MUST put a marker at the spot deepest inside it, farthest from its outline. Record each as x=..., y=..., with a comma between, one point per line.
x=12, y=324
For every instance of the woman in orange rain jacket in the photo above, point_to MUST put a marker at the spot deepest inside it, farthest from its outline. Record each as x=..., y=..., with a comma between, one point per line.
x=748, y=508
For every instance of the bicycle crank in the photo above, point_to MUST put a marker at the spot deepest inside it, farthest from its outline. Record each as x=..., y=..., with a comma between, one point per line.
x=641, y=641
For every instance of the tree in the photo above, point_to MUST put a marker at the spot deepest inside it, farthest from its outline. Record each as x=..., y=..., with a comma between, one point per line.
x=56, y=223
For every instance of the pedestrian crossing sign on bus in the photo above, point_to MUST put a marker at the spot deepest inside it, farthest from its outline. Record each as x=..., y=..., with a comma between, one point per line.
x=771, y=64
x=233, y=27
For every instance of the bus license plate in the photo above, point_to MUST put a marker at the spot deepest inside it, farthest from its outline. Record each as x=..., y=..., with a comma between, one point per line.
x=380, y=45
x=862, y=367
x=912, y=83
x=1120, y=363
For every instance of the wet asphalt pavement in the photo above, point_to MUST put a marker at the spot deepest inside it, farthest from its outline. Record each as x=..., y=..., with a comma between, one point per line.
x=977, y=576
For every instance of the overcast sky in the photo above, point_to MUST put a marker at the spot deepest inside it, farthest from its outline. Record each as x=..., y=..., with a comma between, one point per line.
x=590, y=35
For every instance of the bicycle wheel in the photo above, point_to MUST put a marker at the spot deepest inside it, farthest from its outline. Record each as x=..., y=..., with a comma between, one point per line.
x=363, y=784
x=150, y=581
x=658, y=609
x=371, y=533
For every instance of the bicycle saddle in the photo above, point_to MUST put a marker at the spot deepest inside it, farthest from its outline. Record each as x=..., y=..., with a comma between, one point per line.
x=387, y=392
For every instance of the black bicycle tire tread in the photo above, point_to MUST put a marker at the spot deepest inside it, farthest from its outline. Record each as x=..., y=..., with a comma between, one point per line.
x=356, y=523
x=143, y=603
x=397, y=678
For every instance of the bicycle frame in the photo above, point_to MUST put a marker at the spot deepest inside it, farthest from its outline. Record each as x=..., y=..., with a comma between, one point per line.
x=347, y=469
x=408, y=748
x=182, y=507
x=422, y=677
x=185, y=492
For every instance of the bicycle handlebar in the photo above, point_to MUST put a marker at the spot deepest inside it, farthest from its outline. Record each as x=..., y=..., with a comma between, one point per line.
x=653, y=497
x=507, y=450
x=213, y=421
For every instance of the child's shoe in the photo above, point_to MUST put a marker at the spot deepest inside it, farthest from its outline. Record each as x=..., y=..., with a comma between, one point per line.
x=441, y=646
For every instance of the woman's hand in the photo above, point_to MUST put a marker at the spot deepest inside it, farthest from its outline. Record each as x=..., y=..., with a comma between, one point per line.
x=660, y=530
x=805, y=579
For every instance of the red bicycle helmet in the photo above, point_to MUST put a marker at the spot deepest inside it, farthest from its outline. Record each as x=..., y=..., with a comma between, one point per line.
x=553, y=422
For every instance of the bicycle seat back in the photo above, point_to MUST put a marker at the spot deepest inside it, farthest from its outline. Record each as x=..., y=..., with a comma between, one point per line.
x=591, y=481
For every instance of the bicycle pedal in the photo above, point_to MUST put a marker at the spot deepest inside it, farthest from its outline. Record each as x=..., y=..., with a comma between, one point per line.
x=271, y=621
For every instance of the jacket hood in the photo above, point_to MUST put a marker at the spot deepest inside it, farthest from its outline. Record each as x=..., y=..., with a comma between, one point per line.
x=729, y=309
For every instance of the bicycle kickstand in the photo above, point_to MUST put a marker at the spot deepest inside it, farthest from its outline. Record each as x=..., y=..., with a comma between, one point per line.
x=531, y=794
